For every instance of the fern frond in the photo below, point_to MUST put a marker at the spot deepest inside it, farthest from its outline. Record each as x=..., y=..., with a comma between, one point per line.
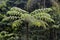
x=13, y=13
x=40, y=23
x=43, y=16
x=1, y=16
x=9, y=19
x=47, y=19
x=55, y=26
x=16, y=24
x=45, y=10
x=18, y=9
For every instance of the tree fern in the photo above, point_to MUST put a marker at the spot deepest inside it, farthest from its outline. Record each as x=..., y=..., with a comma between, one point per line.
x=37, y=17
x=33, y=21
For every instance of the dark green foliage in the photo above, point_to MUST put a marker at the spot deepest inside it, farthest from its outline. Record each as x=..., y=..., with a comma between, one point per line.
x=29, y=20
x=16, y=19
x=25, y=4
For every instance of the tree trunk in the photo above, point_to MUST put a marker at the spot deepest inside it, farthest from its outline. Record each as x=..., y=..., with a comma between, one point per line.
x=53, y=35
x=44, y=3
x=27, y=38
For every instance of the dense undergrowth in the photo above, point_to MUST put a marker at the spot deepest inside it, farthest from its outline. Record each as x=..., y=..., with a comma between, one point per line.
x=29, y=20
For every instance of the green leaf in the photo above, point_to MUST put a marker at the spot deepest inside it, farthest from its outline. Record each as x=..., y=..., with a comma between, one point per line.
x=16, y=24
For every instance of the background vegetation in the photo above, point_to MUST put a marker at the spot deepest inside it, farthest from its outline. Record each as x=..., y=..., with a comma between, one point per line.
x=29, y=19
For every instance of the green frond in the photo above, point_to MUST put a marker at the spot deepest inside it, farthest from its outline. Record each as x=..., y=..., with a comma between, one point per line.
x=5, y=34
x=47, y=19
x=14, y=13
x=45, y=10
x=3, y=3
x=55, y=26
x=18, y=9
x=43, y=16
x=40, y=23
x=1, y=16
x=16, y=24
x=9, y=19
x=37, y=23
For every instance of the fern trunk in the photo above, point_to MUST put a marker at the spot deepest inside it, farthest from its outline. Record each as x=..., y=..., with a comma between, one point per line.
x=27, y=38
x=53, y=34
